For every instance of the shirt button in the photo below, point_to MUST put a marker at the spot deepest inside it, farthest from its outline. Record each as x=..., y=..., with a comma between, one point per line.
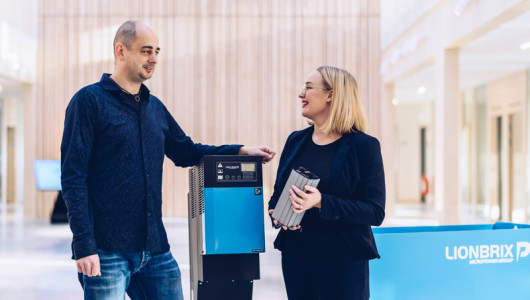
x=148, y=214
x=336, y=217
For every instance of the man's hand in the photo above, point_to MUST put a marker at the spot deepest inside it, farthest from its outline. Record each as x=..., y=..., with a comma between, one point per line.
x=263, y=151
x=89, y=265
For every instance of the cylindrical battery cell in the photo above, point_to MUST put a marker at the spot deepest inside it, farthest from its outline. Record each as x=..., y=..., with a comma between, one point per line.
x=283, y=211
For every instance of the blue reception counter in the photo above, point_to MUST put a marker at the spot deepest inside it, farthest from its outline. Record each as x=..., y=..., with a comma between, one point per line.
x=452, y=262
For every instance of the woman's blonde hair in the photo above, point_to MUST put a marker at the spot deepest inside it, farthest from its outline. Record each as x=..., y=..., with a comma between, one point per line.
x=346, y=110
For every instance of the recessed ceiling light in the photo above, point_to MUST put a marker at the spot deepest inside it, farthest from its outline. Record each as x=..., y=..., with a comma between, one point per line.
x=422, y=90
x=459, y=7
x=395, y=101
x=0, y=88
x=525, y=46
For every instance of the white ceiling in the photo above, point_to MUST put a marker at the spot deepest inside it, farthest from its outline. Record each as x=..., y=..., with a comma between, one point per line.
x=489, y=57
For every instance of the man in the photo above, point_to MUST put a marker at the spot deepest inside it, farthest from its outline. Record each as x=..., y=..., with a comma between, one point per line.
x=115, y=138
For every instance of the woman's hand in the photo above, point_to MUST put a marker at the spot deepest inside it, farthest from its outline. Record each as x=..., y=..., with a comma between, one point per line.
x=277, y=224
x=305, y=200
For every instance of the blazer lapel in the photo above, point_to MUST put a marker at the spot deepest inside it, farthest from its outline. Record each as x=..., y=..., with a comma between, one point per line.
x=338, y=162
x=296, y=148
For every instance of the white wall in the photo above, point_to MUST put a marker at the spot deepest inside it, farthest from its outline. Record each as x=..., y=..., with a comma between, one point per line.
x=18, y=68
x=409, y=120
x=12, y=112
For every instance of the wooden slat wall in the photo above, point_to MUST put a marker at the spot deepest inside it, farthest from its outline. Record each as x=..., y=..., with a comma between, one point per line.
x=229, y=71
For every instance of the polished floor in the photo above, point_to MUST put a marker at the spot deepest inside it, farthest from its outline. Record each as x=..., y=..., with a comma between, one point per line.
x=35, y=257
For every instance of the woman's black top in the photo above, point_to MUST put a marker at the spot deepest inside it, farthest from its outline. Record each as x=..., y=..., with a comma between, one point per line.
x=319, y=160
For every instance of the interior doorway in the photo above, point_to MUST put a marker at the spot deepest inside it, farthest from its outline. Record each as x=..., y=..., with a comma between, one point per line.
x=11, y=154
x=424, y=183
x=496, y=187
x=516, y=168
x=508, y=163
x=11, y=194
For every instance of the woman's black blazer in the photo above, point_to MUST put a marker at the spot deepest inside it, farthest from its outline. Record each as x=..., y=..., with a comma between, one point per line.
x=358, y=183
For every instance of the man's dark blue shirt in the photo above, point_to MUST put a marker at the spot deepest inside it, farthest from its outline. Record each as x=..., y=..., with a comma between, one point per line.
x=111, y=159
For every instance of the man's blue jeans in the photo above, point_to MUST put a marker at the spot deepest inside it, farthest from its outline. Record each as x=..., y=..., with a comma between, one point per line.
x=142, y=274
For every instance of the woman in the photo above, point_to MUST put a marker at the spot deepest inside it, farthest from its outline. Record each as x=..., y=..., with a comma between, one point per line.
x=326, y=256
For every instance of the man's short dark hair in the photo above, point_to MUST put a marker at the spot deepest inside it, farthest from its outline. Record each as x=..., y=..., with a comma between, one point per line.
x=126, y=35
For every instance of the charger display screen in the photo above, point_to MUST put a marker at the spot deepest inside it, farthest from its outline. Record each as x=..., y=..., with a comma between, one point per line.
x=235, y=171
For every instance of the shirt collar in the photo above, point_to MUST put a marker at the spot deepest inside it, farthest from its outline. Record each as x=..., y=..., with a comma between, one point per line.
x=110, y=85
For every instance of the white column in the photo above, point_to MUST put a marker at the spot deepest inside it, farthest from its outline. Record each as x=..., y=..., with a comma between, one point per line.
x=527, y=121
x=447, y=135
x=473, y=182
x=29, y=195
x=505, y=171
x=388, y=147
